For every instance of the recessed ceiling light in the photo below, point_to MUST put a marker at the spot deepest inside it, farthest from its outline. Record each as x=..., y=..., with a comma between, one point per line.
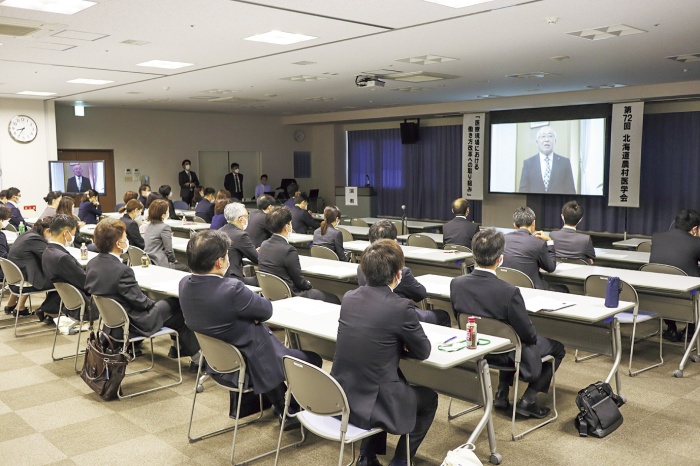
x=64, y=7
x=607, y=32
x=426, y=60
x=561, y=57
x=280, y=38
x=458, y=3
x=169, y=65
x=94, y=82
x=36, y=93
x=304, y=78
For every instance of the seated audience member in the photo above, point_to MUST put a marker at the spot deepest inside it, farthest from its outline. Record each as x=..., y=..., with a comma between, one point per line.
x=257, y=223
x=26, y=253
x=166, y=193
x=90, y=209
x=220, y=306
x=568, y=243
x=481, y=293
x=4, y=247
x=52, y=199
x=132, y=213
x=144, y=191
x=459, y=230
x=327, y=236
x=198, y=195
x=292, y=192
x=205, y=207
x=13, y=197
x=158, y=237
x=679, y=247
x=60, y=266
x=377, y=327
x=278, y=257
x=241, y=244
x=223, y=194
x=263, y=187
x=65, y=207
x=129, y=195
x=408, y=287
x=107, y=276
x=219, y=219
x=3, y=196
x=302, y=221
x=528, y=250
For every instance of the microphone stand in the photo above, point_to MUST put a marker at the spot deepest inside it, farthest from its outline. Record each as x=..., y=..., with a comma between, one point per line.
x=404, y=221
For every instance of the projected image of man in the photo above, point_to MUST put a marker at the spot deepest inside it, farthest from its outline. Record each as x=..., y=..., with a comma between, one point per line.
x=78, y=183
x=547, y=171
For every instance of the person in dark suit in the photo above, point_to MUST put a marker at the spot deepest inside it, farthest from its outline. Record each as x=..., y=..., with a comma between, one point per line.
x=60, y=266
x=481, y=293
x=327, y=236
x=277, y=257
x=377, y=327
x=205, y=208
x=257, y=223
x=568, y=242
x=292, y=192
x=164, y=192
x=241, y=244
x=108, y=276
x=546, y=171
x=4, y=247
x=78, y=183
x=220, y=306
x=132, y=212
x=90, y=209
x=408, y=287
x=680, y=247
x=233, y=182
x=144, y=191
x=302, y=221
x=459, y=230
x=188, y=181
x=13, y=197
x=528, y=250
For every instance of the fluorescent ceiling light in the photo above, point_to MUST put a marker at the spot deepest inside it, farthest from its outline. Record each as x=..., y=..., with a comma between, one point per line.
x=36, y=93
x=169, y=65
x=95, y=82
x=458, y=3
x=280, y=38
x=64, y=7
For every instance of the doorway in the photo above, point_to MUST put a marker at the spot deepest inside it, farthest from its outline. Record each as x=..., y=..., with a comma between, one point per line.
x=108, y=201
x=214, y=165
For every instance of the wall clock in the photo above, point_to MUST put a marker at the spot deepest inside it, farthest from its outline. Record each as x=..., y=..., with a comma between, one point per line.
x=22, y=129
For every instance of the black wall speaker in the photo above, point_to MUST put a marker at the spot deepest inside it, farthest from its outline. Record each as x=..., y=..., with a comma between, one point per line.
x=410, y=133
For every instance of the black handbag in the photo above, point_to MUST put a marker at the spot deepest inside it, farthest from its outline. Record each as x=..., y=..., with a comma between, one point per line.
x=598, y=410
x=104, y=368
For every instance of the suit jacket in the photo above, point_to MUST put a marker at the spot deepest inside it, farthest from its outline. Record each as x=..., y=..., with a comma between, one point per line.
x=561, y=179
x=107, y=276
x=16, y=216
x=72, y=185
x=205, y=210
x=481, y=293
x=333, y=239
x=374, y=326
x=89, y=212
x=224, y=308
x=158, y=239
x=182, y=178
x=675, y=247
x=409, y=288
x=230, y=185
x=132, y=232
x=528, y=254
x=278, y=257
x=574, y=245
x=26, y=253
x=171, y=210
x=60, y=266
x=257, y=227
x=241, y=246
x=460, y=231
x=4, y=249
x=302, y=221
x=289, y=203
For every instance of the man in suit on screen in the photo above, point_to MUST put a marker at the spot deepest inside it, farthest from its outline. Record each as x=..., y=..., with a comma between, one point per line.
x=547, y=171
x=78, y=183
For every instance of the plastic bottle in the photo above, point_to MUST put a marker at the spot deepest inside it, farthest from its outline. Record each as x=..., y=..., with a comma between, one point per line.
x=83, y=252
x=471, y=333
x=22, y=229
x=145, y=261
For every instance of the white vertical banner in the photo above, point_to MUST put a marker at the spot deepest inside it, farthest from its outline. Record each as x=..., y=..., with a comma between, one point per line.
x=473, y=156
x=625, y=154
x=351, y=195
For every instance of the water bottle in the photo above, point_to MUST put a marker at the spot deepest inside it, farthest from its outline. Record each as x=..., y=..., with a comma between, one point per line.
x=83, y=252
x=22, y=228
x=145, y=261
x=471, y=333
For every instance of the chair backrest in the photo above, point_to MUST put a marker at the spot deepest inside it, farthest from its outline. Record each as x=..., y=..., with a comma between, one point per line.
x=324, y=253
x=223, y=357
x=273, y=287
x=514, y=277
x=70, y=296
x=135, y=254
x=358, y=222
x=314, y=389
x=13, y=274
x=180, y=205
x=496, y=328
x=596, y=285
x=662, y=268
x=457, y=247
x=571, y=260
x=198, y=219
x=421, y=241
x=10, y=227
x=112, y=314
x=644, y=247
x=399, y=227
x=347, y=236
x=118, y=206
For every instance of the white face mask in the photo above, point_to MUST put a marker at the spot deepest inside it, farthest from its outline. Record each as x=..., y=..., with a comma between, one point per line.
x=244, y=225
x=146, y=193
x=187, y=167
x=399, y=281
x=70, y=241
x=236, y=170
x=171, y=194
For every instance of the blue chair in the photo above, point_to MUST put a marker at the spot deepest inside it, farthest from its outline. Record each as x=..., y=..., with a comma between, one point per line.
x=181, y=205
x=119, y=206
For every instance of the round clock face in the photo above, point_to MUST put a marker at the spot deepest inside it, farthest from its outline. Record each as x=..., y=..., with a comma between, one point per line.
x=22, y=129
x=299, y=135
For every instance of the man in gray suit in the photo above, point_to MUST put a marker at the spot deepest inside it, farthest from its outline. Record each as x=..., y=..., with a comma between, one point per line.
x=568, y=242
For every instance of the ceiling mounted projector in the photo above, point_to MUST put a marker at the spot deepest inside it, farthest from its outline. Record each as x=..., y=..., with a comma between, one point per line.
x=368, y=81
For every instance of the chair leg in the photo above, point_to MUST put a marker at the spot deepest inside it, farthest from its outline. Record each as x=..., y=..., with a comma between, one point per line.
x=177, y=382
x=585, y=358
x=451, y=415
x=661, y=357
x=551, y=360
x=18, y=335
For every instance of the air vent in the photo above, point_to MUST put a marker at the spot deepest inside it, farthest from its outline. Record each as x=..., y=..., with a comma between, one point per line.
x=304, y=78
x=26, y=28
x=426, y=60
x=607, y=32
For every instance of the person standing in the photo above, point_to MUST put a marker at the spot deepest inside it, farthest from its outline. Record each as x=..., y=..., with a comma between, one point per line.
x=78, y=183
x=188, y=182
x=233, y=182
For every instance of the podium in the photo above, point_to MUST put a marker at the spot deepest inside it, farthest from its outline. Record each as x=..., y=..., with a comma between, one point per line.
x=366, y=202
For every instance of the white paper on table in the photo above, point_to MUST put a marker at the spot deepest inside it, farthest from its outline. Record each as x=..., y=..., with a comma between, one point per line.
x=323, y=270
x=568, y=266
x=543, y=303
x=611, y=255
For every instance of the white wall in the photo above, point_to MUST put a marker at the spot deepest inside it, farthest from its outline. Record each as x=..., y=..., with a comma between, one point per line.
x=25, y=166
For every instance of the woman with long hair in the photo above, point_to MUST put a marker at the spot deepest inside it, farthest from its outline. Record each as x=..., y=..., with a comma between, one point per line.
x=327, y=235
